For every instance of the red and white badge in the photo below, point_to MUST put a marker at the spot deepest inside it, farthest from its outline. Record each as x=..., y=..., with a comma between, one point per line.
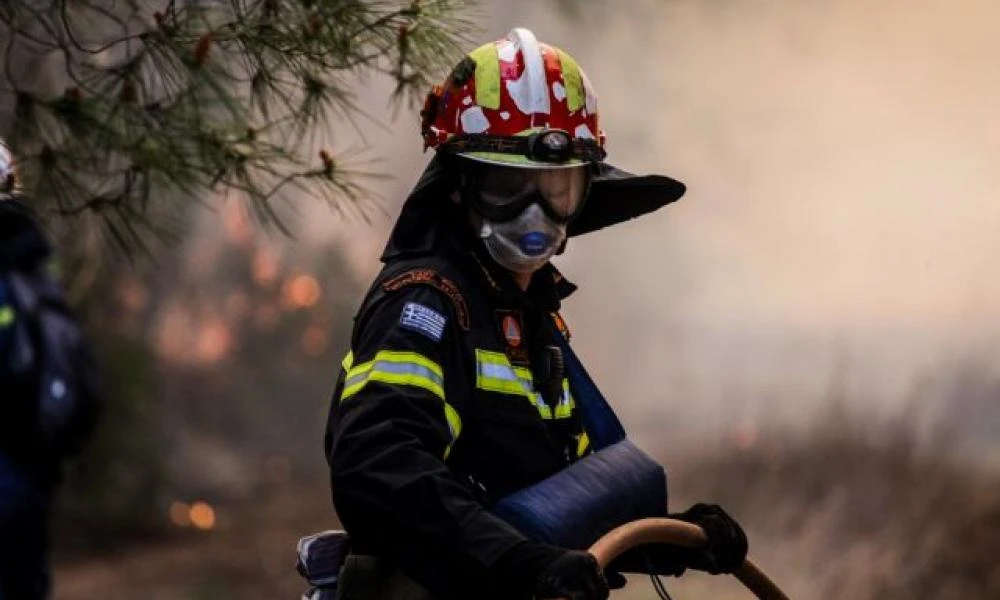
x=512, y=331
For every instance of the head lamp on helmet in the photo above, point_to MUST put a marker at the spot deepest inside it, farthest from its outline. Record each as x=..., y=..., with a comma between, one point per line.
x=543, y=149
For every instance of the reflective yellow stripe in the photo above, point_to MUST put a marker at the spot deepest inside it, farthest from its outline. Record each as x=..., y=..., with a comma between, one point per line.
x=402, y=368
x=454, y=425
x=399, y=368
x=575, y=97
x=582, y=444
x=7, y=315
x=566, y=403
x=487, y=75
x=494, y=373
x=356, y=379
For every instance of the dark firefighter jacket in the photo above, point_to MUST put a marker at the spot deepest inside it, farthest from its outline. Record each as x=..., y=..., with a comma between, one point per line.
x=55, y=347
x=446, y=403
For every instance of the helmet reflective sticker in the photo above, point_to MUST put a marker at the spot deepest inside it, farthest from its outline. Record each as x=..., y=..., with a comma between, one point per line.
x=530, y=91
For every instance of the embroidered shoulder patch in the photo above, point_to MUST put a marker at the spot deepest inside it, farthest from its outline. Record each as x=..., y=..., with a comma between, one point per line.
x=423, y=319
x=429, y=277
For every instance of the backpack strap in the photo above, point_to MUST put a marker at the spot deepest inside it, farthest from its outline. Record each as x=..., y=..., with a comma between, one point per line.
x=68, y=397
x=599, y=419
x=16, y=346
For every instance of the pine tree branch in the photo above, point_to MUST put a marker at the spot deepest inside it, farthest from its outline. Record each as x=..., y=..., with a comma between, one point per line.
x=113, y=104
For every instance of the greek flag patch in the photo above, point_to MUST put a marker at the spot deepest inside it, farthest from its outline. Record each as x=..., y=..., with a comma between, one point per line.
x=422, y=319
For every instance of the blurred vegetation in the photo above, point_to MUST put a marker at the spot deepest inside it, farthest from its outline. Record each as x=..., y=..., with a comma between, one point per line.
x=131, y=111
x=112, y=492
x=218, y=363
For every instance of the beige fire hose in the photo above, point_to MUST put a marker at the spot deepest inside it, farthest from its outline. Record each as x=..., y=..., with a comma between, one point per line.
x=677, y=533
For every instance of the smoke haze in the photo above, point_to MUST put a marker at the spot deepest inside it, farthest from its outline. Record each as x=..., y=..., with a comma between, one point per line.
x=836, y=248
x=839, y=232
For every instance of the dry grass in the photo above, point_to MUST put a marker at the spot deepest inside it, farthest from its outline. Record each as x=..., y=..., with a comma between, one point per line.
x=857, y=510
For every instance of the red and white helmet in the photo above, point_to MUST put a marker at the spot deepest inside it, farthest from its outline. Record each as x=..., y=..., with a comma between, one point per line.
x=516, y=102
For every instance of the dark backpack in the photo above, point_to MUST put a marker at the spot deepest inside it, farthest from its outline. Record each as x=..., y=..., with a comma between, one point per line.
x=42, y=343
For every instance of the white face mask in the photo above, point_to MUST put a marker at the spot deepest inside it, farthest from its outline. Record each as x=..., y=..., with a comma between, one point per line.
x=523, y=244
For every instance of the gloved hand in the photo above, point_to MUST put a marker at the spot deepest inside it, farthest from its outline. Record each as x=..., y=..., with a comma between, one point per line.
x=574, y=576
x=545, y=572
x=616, y=580
x=727, y=544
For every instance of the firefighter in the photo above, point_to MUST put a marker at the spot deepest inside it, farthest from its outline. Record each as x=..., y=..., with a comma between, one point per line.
x=448, y=400
x=49, y=393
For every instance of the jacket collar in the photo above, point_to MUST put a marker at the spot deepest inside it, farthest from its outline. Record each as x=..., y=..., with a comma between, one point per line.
x=547, y=290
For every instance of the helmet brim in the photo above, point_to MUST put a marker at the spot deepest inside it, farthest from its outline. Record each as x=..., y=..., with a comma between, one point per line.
x=617, y=196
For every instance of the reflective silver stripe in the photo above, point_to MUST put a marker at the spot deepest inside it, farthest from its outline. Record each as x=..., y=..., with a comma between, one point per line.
x=398, y=368
x=496, y=371
x=356, y=379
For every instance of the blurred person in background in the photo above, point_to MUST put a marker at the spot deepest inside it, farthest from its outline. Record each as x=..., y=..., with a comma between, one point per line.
x=48, y=391
x=450, y=398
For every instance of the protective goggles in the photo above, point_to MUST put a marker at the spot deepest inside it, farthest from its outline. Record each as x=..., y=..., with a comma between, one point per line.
x=501, y=193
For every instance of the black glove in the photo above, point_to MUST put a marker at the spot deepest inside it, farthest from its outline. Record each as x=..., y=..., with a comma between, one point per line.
x=727, y=544
x=536, y=570
x=574, y=576
x=616, y=580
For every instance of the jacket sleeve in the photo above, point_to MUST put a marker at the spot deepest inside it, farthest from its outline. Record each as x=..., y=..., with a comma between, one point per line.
x=398, y=416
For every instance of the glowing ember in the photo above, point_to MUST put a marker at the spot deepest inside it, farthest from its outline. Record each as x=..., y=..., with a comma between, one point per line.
x=202, y=516
x=214, y=342
x=301, y=291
